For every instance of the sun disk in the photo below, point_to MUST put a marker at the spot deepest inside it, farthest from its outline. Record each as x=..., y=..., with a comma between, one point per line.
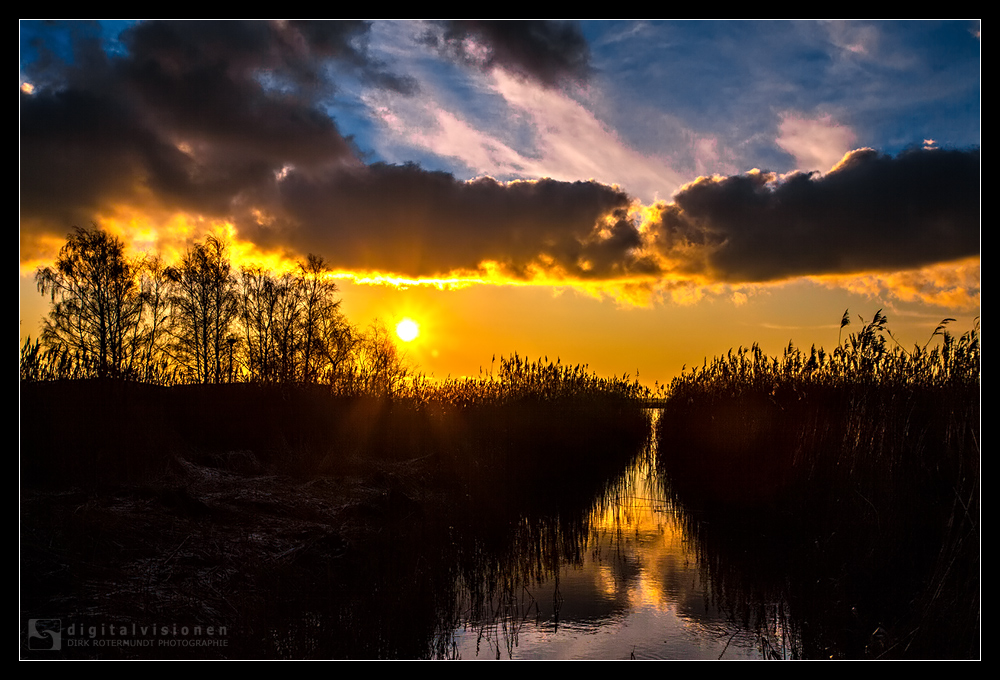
x=407, y=330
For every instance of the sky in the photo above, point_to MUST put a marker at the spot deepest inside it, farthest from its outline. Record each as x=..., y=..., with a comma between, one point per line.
x=631, y=195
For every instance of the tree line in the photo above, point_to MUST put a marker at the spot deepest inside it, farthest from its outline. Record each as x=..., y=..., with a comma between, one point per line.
x=201, y=321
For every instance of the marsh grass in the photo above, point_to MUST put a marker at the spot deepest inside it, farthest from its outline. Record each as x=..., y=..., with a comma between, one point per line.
x=860, y=468
x=45, y=363
x=526, y=420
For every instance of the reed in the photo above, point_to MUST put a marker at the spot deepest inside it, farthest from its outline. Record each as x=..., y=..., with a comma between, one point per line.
x=864, y=461
x=519, y=379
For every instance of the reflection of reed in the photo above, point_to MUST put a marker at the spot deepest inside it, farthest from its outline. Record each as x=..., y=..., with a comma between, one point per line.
x=747, y=577
x=499, y=569
x=503, y=558
x=495, y=597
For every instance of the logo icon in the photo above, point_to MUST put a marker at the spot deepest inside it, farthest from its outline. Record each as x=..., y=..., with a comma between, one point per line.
x=45, y=634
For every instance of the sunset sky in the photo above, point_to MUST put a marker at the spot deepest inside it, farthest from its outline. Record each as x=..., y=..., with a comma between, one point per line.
x=632, y=195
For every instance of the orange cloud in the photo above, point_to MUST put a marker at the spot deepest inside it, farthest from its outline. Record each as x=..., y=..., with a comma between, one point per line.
x=955, y=285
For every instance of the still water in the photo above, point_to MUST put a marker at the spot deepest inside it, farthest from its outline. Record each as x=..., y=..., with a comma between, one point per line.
x=635, y=589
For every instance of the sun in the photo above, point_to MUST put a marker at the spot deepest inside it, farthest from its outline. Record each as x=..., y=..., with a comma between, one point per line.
x=407, y=329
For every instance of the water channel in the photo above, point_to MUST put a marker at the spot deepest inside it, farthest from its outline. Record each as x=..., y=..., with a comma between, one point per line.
x=607, y=561
x=627, y=582
x=638, y=591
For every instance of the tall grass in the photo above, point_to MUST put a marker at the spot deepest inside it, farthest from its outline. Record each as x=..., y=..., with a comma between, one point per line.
x=864, y=360
x=518, y=379
x=44, y=363
x=865, y=461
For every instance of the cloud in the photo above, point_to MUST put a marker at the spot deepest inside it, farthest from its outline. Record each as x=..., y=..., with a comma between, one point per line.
x=198, y=116
x=547, y=52
x=871, y=212
x=447, y=135
x=406, y=220
x=550, y=134
x=816, y=143
x=855, y=38
x=953, y=285
x=225, y=121
x=198, y=123
x=571, y=142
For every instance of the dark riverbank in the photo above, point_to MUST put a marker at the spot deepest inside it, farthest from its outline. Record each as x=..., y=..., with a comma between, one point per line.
x=302, y=524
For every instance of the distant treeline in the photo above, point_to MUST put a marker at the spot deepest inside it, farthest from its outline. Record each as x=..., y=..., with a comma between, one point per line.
x=203, y=321
x=200, y=321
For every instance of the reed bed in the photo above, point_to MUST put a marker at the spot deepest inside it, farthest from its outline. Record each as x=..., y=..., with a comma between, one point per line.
x=440, y=483
x=526, y=420
x=860, y=465
x=39, y=362
x=519, y=379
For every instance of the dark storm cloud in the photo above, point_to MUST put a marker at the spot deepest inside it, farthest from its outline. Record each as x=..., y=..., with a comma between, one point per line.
x=545, y=51
x=407, y=220
x=226, y=120
x=874, y=212
x=194, y=116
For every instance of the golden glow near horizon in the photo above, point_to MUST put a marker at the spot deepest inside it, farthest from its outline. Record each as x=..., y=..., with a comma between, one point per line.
x=407, y=330
x=148, y=233
x=955, y=285
x=653, y=324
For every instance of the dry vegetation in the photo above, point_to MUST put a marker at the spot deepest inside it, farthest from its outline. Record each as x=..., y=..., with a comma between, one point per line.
x=859, y=468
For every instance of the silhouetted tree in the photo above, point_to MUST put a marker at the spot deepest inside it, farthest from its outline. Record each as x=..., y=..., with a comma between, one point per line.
x=156, y=290
x=267, y=314
x=256, y=302
x=199, y=322
x=291, y=326
x=380, y=368
x=327, y=338
x=288, y=336
x=204, y=306
x=97, y=303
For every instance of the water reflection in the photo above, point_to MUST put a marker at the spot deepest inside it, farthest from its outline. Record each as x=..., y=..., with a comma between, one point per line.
x=623, y=581
x=599, y=566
